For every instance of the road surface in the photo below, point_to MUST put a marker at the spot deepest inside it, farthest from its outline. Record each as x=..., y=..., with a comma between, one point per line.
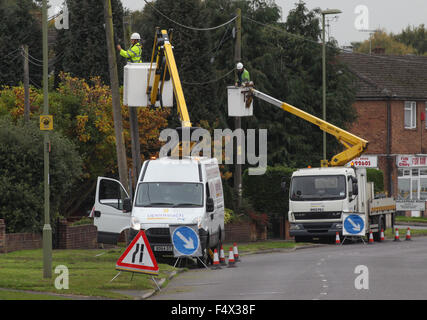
x=387, y=270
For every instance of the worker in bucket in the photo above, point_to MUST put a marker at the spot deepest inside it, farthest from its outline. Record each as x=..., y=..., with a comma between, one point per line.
x=133, y=54
x=242, y=74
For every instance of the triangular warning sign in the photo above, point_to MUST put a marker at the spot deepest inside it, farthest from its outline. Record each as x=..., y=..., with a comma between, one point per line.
x=138, y=257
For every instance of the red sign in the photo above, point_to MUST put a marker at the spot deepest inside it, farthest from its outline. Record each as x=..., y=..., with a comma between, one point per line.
x=138, y=257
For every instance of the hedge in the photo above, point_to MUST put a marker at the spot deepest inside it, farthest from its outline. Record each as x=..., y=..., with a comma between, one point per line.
x=265, y=192
x=377, y=177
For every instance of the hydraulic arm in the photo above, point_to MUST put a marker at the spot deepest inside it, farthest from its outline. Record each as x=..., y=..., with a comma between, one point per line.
x=354, y=146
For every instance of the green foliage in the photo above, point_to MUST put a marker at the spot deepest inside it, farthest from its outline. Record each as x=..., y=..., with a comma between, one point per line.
x=22, y=174
x=377, y=177
x=19, y=25
x=83, y=221
x=265, y=192
x=81, y=50
x=415, y=37
x=387, y=41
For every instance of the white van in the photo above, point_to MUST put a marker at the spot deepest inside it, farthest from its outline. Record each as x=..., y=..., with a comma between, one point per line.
x=169, y=191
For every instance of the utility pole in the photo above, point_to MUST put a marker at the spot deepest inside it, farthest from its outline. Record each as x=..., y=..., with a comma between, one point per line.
x=47, y=230
x=26, y=85
x=133, y=115
x=238, y=120
x=114, y=82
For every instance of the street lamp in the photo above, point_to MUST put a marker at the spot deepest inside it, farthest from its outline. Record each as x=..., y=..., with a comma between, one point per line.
x=324, y=13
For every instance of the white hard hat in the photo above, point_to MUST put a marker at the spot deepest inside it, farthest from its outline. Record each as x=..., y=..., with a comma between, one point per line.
x=135, y=36
x=239, y=66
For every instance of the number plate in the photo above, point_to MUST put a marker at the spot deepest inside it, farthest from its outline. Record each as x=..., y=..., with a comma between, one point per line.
x=163, y=248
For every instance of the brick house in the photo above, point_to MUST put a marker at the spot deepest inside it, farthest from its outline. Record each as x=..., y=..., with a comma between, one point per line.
x=391, y=104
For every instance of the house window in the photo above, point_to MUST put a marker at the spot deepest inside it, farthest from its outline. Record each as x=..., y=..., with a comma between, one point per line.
x=412, y=184
x=410, y=115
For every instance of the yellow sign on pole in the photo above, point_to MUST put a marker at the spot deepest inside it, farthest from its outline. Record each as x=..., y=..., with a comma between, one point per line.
x=46, y=122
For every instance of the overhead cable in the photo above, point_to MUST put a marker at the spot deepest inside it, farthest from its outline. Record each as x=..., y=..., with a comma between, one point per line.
x=189, y=27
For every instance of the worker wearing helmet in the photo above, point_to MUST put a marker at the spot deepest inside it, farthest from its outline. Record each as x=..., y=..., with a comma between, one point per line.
x=242, y=74
x=133, y=54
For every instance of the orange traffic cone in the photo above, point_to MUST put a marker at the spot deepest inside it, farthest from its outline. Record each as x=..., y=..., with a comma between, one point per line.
x=222, y=256
x=371, y=237
x=382, y=238
x=408, y=234
x=337, y=238
x=236, y=253
x=231, y=262
x=396, y=235
x=216, y=261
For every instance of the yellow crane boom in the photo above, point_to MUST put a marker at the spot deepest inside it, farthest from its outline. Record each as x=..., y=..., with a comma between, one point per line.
x=165, y=62
x=354, y=145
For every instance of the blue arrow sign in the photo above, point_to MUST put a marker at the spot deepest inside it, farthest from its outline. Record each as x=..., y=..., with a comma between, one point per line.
x=185, y=240
x=354, y=224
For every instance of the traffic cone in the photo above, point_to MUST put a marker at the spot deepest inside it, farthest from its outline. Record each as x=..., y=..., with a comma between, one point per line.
x=231, y=262
x=337, y=238
x=382, y=238
x=222, y=256
x=396, y=235
x=215, y=264
x=236, y=253
x=371, y=237
x=408, y=234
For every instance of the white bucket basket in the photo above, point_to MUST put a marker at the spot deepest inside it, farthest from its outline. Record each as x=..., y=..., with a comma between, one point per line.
x=237, y=102
x=135, y=86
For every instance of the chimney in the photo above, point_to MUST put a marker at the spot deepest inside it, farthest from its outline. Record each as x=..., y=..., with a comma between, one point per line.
x=378, y=50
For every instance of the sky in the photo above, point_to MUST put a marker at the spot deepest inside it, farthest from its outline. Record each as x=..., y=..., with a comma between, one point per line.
x=391, y=15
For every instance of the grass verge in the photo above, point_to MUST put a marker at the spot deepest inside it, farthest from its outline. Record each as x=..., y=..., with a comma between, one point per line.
x=410, y=219
x=90, y=272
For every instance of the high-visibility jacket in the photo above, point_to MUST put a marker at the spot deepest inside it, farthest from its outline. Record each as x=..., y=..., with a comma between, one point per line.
x=133, y=54
x=243, y=77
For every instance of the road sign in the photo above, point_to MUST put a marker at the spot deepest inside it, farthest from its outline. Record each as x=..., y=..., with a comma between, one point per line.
x=353, y=224
x=138, y=257
x=46, y=122
x=185, y=240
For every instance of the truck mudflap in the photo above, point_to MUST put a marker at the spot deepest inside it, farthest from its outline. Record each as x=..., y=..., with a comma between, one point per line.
x=320, y=229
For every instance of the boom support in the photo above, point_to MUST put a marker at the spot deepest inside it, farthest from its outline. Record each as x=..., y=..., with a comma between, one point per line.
x=354, y=145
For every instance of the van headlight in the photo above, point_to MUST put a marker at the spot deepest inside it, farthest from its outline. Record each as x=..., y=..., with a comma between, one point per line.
x=135, y=223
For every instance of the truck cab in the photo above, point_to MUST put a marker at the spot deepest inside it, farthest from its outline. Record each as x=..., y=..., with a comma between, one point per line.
x=317, y=199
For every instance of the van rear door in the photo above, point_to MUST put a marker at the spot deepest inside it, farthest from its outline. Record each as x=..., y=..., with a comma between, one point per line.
x=108, y=210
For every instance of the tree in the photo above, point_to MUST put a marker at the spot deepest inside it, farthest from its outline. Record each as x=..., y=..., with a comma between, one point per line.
x=81, y=50
x=415, y=37
x=389, y=42
x=21, y=174
x=82, y=112
x=20, y=24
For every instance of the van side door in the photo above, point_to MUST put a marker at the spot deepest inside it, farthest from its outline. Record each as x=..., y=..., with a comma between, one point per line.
x=108, y=210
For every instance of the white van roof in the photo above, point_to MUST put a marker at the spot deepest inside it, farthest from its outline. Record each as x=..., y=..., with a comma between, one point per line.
x=168, y=169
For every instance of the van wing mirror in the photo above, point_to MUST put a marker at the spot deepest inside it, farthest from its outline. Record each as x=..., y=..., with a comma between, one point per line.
x=210, y=207
x=127, y=205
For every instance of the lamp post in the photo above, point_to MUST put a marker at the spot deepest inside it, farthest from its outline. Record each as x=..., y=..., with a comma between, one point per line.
x=324, y=13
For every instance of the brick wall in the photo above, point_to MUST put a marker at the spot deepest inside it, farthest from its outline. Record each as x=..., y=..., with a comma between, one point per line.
x=18, y=241
x=2, y=236
x=76, y=237
x=244, y=232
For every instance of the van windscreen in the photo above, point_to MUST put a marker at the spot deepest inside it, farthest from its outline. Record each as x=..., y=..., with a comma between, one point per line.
x=169, y=194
